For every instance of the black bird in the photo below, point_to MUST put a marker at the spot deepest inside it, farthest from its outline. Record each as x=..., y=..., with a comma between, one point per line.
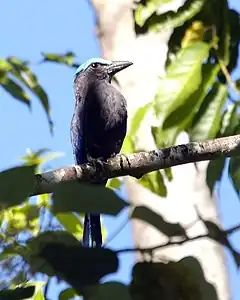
x=99, y=124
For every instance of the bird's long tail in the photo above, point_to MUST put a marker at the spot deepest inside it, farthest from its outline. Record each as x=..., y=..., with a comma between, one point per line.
x=92, y=234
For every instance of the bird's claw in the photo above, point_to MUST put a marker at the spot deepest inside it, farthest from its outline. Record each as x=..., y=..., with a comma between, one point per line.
x=99, y=165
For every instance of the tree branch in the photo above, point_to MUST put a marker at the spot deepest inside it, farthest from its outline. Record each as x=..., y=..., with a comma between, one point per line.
x=140, y=163
x=182, y=241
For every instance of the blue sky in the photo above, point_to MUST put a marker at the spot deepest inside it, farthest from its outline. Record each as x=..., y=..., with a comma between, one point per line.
x=28, y=28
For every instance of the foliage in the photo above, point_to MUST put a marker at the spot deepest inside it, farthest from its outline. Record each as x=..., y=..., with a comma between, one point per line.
x=192, y=97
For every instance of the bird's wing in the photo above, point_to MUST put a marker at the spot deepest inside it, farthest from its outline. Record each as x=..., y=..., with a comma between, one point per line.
x=77, y=134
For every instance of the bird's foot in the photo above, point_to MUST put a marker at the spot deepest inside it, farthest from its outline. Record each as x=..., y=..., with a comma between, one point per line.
x=99, y=164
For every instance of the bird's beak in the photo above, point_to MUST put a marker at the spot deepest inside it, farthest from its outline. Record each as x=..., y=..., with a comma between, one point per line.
x=117, y=66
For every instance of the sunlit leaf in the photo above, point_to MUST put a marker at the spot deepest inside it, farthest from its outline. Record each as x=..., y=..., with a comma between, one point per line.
x=207, y=120
x=160, y=136
x=181, y=92
x=114, y=183
x=138, y=118
x=143, y=12
x=183, y=77
x=21, y=71
x=43, y=200
x=154, y=182
x=15, y=90
x=37, y=157
x=168, y=173
x=193, y=34
x=23, y=217
x=128, y=145
x=5, y=66
x=38, y=293
x=16, y=185
x=67, y=59
x=71, y=223
x=171, y=19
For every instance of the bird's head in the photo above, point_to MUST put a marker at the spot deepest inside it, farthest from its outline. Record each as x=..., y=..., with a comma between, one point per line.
x=101, y=69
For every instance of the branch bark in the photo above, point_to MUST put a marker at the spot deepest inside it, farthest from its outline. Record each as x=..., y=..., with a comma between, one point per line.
x=140, y=163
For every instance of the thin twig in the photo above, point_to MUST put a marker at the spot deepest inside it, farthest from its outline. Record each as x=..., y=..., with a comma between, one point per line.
x=227, y=76
x=174, y=243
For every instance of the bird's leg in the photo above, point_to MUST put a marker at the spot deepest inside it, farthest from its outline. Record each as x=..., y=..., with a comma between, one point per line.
x=99, y=165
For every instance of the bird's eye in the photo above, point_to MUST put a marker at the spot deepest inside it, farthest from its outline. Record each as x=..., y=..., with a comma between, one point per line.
x=95, y=65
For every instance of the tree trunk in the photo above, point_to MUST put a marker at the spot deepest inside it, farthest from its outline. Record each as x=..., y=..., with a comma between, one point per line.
x=188, y=187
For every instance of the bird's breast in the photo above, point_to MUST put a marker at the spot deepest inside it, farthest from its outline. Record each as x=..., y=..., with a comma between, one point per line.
x=105, y=121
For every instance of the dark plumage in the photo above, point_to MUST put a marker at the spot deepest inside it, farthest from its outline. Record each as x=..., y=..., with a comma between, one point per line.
x=98, y=125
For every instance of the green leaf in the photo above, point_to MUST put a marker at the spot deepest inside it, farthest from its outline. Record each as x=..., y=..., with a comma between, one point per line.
x=21, y=71
x=67, y=258
x=128, y=145
x=224, y=36
x=190, y=274
x=183, y=77
x=43, y=200
x=4, y=65
x=9, y=251
x=36, y=244
x=23, y=218
x=71, y=223
x=234, y=26
x=214, y=172
x=16, y=185
x=37, y=158
x=237, y=84
x=207, y=120
x=15, y=90
x=83, y=197
x=230, y=121
x=66, y=59
x=154, y=182
x=3, y=77
x=183, y=115
x=38, y=294
x=170, y=19
x=114, y=184
x=110, y=290
x=168, y=173
x=17, y=293
x=58, y=236
x=143, y=12
x=234, y=172
x=161, y=137
x=147, y=215
x=138, y=118
x=179, y=95
x=67, y=294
